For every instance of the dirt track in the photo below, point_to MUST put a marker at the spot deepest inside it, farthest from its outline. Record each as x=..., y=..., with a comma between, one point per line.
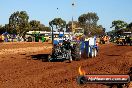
x=19, y=70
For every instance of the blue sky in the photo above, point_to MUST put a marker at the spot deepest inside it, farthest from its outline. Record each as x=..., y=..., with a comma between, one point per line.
x=46, y=10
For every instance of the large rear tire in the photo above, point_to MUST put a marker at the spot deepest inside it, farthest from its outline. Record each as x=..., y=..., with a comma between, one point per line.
x=29, y=39
x=76, y=53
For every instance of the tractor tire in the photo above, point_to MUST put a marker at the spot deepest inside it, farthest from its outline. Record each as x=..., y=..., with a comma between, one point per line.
x=49, y=58
x=29, y=39
x=76, y=53
x=131, y=43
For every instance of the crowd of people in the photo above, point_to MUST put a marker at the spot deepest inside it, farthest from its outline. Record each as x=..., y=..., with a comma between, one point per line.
x=10, y=38
x=104, y=39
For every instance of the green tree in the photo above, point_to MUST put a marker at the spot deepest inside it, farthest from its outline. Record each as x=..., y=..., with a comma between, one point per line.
x=88, y=22
x=35, y=25
x=1, y=29
x=0, y=26
x=129, y=27
x=6, y=28
x=47, y=29
x=100, y=30
x=58, y=23
x=69, y=25
x=119, y=24
x=18, y=22
x=42, y=27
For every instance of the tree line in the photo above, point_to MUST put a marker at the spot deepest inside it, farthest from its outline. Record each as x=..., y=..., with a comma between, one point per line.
x=119, y=27
x=19, y=24
x=86, y=21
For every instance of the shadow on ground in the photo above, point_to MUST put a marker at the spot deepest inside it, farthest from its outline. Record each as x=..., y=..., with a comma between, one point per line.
x=113, y=55
x=123, y=45
x=44, y=58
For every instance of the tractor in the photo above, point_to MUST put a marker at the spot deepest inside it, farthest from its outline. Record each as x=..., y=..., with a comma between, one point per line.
x=61, y=49
x=60, y=52
x=124, y=39
x=77, y=48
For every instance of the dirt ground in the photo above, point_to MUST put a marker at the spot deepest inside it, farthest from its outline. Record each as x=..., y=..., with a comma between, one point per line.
x=21, y=66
